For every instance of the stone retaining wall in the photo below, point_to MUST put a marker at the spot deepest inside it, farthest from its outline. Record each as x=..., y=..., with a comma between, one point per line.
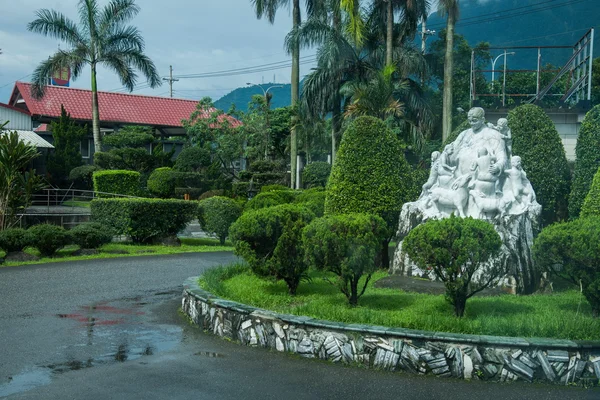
x=493, y=358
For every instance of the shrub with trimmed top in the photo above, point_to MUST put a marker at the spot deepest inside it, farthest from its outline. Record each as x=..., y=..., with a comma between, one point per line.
x=91, y=235
x=587, y=161
x=162, y=182
x=192, y=159
x=117, y=182
x=455, y=249
x=217, y=213
x=316, y=174
x=266, y=199
x=144, y=220
x=346, y=245
x=48, y=239
x=14, y=239
x=370, y=175
x=269, y=239
x=212, y=193
x=536, y=140
x=313, y=199
x=571, y=250
x=273, y=188
x=82, y=176
x=591, y=204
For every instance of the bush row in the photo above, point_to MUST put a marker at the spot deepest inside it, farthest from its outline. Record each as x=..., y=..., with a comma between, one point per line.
x=49, y=238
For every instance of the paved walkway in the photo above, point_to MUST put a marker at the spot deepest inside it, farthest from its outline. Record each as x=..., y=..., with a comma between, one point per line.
x=109, y=329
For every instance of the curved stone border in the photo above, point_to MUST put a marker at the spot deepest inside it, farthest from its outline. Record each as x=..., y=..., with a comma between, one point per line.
x=494, y=358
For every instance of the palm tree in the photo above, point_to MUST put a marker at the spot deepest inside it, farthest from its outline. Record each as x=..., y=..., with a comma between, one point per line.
x=101, y=38
x=449, y=8
x=268, y=9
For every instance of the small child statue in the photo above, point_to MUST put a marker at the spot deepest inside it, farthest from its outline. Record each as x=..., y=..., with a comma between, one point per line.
x=443, y=167
x=521, y=187
x=433, y=174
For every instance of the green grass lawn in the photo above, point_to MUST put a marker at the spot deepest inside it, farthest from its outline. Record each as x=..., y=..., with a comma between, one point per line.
x=77, y=203
x=188, y=245
x=564, y=315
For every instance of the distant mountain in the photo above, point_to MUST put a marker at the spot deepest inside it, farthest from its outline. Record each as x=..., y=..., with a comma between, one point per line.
x=242, y=96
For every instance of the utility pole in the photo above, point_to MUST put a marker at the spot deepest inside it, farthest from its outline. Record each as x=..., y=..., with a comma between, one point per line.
x=424, y=33
x=170, y=79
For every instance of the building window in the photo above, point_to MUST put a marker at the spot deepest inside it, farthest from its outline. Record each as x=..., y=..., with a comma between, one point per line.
x=85, y=148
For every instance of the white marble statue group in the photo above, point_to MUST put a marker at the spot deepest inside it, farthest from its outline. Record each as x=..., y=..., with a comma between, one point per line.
x=477, y=175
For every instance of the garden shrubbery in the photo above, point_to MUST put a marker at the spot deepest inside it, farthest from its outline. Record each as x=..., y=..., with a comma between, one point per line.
x=571, y=250
x=82, y=177
x=266, y=199
x=316, y=174
x=347, y=246
x=217, y=213
x=14, y=239
x=144, y=220
x=117, y=182
x=591, y=204
x=90, y=235
x=269, y=239
x=48, y=239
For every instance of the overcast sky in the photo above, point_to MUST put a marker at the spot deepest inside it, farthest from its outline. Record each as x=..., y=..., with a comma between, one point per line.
x=195, y=36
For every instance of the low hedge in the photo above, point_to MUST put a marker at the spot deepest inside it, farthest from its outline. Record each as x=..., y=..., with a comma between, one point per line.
x=217, y=213
x=163, y=182
x=48, y=239
x=117, y=181
x=266, y=199
x=15, y=239
x=144, y=220
x=91, y=235
x=194, y=193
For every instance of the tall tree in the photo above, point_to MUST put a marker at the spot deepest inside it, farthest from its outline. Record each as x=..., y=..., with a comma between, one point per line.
x=67, y=137
x=268, y=9
x=450, y=9
x=101, y=38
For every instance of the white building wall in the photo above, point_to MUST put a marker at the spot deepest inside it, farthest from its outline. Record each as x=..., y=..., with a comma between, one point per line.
x=17, y=120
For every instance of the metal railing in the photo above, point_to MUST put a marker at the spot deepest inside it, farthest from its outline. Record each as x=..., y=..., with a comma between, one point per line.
x=68, y=198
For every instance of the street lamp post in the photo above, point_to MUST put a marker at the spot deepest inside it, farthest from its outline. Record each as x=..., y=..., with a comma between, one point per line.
x=503, y=75
x=265, y=92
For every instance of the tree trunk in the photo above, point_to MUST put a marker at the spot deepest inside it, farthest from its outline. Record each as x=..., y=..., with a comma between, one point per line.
x=385, y=255
x=389, y=40
x=460, y=303
x=353, y=299
x=295, y=95
x=95, y=113
x=336, y=116
x=448, y=70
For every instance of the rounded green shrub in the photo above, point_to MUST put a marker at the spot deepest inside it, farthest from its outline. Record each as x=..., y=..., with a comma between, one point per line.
x=316, y=174
x=212, y=193
x=265, y=166
x=571, y=251
x=192, y=159
x=591, y=203
x=162, y=182
x=14, y=239
x=269, y=239
x=587, y=162
x=455, y=249
x=537, y=142
x=82, y=176
x=313, y=200
x=91, y=235
x=48, y=239
x=264, y=200
x=117, y=182
x=345, y=245
x=144, y=220
x=370, y=175
x=217, y=213
x=273, y=188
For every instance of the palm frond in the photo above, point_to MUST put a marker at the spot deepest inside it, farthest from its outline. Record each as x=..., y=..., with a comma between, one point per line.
x=88, y=15
x=141, y=62
x=119, y=63
x=268, y=8
x=116, y=13
x=355, y=26
x=60, y=60
x=123, y=38
x=54, y=24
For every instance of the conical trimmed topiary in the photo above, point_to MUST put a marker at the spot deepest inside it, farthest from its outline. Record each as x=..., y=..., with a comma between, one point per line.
x=588, y=160
x=591, y=204
x=536, y=141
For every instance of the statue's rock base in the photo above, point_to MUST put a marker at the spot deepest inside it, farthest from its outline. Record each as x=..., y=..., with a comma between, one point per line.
x=517, y=232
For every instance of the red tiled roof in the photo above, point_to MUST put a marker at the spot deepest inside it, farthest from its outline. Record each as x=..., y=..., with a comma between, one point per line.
x=13, y=108
x=42, y=128
x=114, y=107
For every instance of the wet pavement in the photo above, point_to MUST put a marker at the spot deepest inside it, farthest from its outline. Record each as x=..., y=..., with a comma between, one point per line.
x=90, y=330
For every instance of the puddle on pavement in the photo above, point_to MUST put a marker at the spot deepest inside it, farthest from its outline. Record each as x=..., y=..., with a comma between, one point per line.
x=105, y=333
x=209, y=354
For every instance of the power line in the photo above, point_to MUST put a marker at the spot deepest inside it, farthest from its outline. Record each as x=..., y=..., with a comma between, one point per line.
x=545, y=36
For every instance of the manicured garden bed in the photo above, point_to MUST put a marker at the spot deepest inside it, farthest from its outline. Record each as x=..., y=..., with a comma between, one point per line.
x=562, y=315
x=125, y=249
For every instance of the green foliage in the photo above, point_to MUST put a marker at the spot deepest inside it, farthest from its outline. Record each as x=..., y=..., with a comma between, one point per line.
x=48, y=238
x=273, y=188
x=316, y=174
x=452, y=137
x=596, y=81
x=269, y=239
x=265, y=166
x=130, y=137
x=591, y=203
x=266, y=199
x=217, y=213
x=67, y=137
x=571, y=250
x=162, y=182
x=454, y=249
x=210, y=193
x=91, y=235
x=537, y=142
x=347, y=246
x=192, y=159
x=14, y=239
x=82, y=177
x=313, y=199
x=144, y=220
x=194, y=193
x=588, y=160
x=117, y=182
x=16, y=184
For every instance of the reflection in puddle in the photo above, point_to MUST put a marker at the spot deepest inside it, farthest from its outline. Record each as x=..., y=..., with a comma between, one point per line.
x=26, y=380
x=209, y=354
